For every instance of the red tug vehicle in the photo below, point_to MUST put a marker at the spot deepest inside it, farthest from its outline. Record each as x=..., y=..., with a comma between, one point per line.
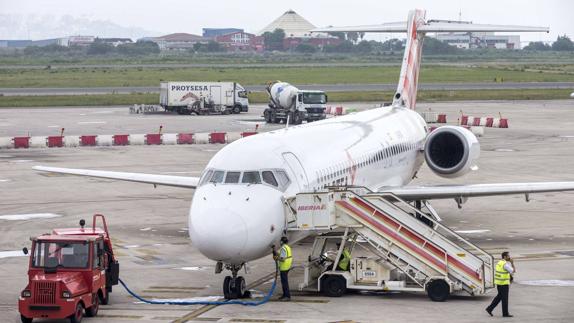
x=71, y=271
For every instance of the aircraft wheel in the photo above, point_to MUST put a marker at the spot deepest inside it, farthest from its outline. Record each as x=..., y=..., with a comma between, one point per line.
x=239, y=287
x=227, y=287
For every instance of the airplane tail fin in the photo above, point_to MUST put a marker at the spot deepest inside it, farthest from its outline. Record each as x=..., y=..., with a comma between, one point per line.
x=406, y=94
x=416, y=27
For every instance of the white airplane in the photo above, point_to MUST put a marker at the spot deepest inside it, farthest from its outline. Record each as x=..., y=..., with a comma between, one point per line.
x=237, y=213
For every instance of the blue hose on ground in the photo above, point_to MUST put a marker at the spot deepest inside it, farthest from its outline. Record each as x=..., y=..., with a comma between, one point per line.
x=217, y=303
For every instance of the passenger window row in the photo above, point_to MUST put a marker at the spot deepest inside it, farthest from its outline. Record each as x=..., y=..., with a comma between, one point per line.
x=336, y=175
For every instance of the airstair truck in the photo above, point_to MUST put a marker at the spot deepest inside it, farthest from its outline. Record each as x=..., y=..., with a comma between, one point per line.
x=288, y=102
x=71, y=271
x=203, y=97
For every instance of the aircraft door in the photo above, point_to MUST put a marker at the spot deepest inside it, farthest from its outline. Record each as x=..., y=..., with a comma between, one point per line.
x=297, y=170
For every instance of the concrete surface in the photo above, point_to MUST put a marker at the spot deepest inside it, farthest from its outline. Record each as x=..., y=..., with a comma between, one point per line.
x=324, y=87
x=149, y=226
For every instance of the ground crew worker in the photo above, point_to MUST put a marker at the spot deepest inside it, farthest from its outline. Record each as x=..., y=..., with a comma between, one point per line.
x=345, y=258
x=502, y=278
x=284, y=260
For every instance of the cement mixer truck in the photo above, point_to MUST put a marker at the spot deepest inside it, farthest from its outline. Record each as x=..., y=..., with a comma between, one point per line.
x=288, y=102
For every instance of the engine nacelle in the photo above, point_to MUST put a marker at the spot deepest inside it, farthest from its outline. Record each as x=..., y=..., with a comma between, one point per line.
x=451, y=151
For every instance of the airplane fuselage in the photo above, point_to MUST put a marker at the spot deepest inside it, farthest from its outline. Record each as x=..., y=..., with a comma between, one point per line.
x=236, y=214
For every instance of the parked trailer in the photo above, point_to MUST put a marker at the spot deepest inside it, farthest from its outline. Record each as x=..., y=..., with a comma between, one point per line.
x=203, y=97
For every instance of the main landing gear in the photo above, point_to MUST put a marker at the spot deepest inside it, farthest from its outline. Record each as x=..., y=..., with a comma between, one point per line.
x=234, y=286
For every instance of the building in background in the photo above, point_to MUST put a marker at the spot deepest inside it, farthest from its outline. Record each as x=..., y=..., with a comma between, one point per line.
x=81, y=41
x=115, y=41
x=480, y=40
x=178, y=41
x=298, y=30
x=241, y=41
x=214, y=32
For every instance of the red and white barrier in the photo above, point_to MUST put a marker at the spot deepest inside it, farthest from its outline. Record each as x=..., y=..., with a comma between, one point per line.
x=489, y=122
x=433, y=117
x=123, y=140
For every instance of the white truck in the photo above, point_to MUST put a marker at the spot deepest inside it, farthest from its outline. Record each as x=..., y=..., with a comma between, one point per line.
x=287, y=101
x=203, y=97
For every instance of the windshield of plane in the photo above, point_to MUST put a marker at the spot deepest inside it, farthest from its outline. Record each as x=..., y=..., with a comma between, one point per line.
x=314, y=98
x=53, y=254
x=276, y=178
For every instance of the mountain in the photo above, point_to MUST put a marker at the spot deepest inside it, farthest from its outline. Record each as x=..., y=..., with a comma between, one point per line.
x=48, y=26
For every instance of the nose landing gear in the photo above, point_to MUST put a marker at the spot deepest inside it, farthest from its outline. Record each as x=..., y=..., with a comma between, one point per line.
x=234, y=286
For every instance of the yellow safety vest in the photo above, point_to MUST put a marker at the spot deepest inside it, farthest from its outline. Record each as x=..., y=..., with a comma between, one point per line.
x=501, y=275
x=285, y=263
x=345, y=259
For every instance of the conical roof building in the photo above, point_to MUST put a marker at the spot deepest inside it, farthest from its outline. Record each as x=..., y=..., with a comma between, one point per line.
x=293, y=24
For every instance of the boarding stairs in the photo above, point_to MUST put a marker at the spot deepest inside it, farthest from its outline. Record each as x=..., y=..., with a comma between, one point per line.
x=394, y=230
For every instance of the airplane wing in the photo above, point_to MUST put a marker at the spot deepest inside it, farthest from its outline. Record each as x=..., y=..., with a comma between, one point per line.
x=475, y=190
x=433, y=27
x=177, y=181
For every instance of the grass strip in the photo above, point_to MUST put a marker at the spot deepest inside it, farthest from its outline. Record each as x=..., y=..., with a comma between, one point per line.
x=261, y=97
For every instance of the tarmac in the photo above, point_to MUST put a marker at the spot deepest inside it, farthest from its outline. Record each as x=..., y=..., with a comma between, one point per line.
x=149, y=225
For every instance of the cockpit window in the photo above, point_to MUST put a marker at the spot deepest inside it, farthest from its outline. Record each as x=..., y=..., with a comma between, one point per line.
x=206, y=176
x=283, y=178
x=269, y=178
x=217, y=176
x=251, y=178
x=232, y=177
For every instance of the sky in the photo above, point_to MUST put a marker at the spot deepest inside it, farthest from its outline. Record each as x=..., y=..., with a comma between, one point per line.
x=36, y=19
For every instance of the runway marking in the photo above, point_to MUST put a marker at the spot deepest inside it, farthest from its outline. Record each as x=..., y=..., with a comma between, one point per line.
x=472, y=231
x=9, y=254
x=92, y=122
x=204, y=309
x=134, y=317
x=17, y=217
x=176, y=287
x=551, y=283
x=257, y=320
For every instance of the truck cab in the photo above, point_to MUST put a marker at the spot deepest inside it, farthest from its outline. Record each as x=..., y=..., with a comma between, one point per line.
x=313, y=103
x=71, y=271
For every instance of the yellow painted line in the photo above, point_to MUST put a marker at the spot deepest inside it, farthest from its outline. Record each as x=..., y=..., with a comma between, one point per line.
x=204, y=309
x=257, y=320
x=176, y=287
x=117, y=316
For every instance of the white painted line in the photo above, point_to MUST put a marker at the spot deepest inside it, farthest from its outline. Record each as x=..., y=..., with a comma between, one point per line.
x=16, y=217
x=145, y=229
x=2, y=180
x=92, y=122
x=131, y=246
x=192, y=268
x=18, y=161
x=471, y=231
x=54, y=126
x=8, y=254
x=551, y=282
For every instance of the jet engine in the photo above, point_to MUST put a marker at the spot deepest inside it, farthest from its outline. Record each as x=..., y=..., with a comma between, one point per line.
x=451, y=151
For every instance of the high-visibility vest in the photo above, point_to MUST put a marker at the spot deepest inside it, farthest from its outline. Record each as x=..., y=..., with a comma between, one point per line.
x=345, y=259
x=501, y=275
x=285, y=263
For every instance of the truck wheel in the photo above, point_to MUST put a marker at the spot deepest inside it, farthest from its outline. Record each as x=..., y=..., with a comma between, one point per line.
x=93, y=310
x=236, y=109
x=25, y=319
x=297, y=118
x=438, y=290
x=78, y=314
x=333, y=286
x=274, y=118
